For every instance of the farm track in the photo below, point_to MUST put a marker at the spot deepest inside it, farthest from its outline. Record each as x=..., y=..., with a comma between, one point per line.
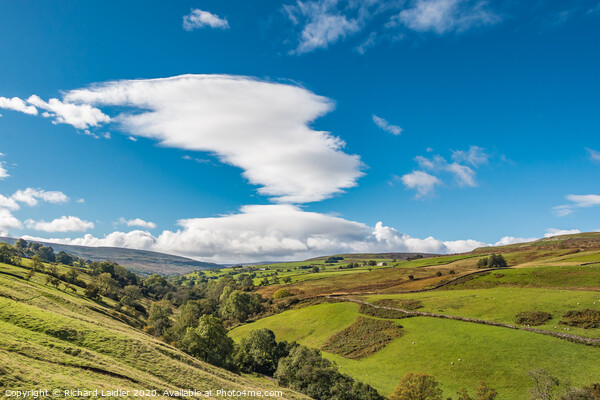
x=409, y=313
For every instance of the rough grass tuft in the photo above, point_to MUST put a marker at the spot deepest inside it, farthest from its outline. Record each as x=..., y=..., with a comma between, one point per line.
x=381, y=312
x=363, y=338
x=533, y=318
x=583, y=319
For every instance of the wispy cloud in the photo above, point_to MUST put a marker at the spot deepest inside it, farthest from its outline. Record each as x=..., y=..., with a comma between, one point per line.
x=322, y=23
x=463, y=174
x=577, y=201
x=444, y=16
x=593, y=155
x=386, y=126
x=199, y=19
x=475, y=156
x=3, y=171
x=138, y=222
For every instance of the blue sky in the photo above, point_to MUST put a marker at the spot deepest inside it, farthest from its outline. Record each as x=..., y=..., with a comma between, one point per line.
x=244, y=131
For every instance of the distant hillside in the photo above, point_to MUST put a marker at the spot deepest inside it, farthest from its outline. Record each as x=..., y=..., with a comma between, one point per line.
x=376, y=256
x=139, y=261
x=581, y=241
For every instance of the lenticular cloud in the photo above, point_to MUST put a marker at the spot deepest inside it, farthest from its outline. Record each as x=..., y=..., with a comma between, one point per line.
x=261, y=127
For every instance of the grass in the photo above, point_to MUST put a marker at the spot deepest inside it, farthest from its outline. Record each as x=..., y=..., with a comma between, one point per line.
x=502, y=304
x=585, y=258
x=502, y=357
x=566, y=277
x=366, y=336
x=58, y=340
x=311, y=326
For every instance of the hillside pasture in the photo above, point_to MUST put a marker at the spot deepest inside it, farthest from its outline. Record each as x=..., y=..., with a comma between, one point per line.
x=456, y=353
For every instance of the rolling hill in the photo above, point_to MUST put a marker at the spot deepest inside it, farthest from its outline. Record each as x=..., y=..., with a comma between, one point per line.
x=54, y=339
x=459, y=323
x=139, y=261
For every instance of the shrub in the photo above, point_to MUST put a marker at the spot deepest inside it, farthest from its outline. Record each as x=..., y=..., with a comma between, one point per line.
x=452, y=272
x=209, y=342
x=482, y=263
x=259, y=352
x=306, y=371
x=438, y=273
x=533, y=318
x=497, y=261
x=411, y=277
x=583, y=319
x=281, y=293
x=417, y=387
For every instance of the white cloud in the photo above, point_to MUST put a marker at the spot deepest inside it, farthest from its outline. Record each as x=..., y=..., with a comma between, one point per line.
x=261, y=127
x=62, y=224
x=464, y=175
x=8, y=203
x=28, y=196
x=325, y=22
x=506, y=240
x=386, y=126
x=17, y=104
x=3, y=171
x=256, y=233
x=81, y=201
x=443, y=16
x=421, y=181
x=322, y=23
x=577, y=201
x=31, y=196
x=557, y=232
x=8, y=222
x=133, y=139
x=369, y=42
x=594, y=155
x=199, y=19
x=81, y=116
x=475, y=156
x=138, y=222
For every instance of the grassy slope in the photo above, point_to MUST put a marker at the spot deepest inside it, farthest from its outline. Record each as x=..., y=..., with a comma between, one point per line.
x=502, y=304
x=500, y=356
x=52, y=339
x=546, y=276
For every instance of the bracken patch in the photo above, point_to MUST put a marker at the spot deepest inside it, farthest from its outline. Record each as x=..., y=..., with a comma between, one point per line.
x=363, y=338
x=583, y=319
x=533, y=318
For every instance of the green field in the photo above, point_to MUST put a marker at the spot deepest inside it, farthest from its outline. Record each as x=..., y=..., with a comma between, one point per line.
x=501, y=304
x=502, y=357
x=565, y=277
